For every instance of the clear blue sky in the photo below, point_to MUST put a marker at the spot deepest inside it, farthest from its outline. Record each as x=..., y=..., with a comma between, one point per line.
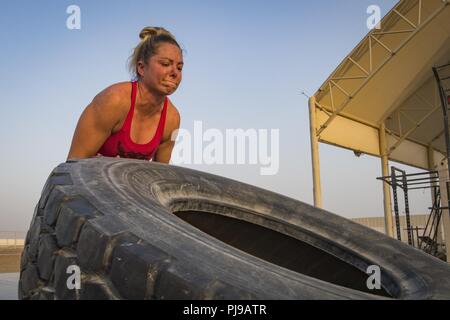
x=246, y=63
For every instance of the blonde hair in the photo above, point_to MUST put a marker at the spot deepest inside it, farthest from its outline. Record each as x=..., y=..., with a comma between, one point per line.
x=151, y=38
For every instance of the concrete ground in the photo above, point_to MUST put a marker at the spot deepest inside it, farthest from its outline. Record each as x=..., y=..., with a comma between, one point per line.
x=8, y=286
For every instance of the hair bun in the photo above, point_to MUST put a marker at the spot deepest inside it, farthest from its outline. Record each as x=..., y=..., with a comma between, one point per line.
x=151, y=38
x=148, y=32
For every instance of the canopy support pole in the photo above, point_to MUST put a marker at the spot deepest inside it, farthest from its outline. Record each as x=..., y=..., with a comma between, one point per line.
x=388, y=221
x=317, y=191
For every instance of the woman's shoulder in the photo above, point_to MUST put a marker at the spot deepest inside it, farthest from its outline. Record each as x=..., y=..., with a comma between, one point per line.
x=115, y=93
x=173, y=115
x=114, y=99
x=172, y=121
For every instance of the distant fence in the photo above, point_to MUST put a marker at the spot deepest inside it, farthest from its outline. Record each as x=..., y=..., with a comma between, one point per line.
x=417, y=220
x=12, y=238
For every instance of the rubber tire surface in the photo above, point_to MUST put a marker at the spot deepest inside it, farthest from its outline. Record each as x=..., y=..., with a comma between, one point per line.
x=114, y=219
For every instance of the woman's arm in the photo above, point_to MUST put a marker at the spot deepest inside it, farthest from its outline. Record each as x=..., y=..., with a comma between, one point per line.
x=164, y=151
x=96, y=124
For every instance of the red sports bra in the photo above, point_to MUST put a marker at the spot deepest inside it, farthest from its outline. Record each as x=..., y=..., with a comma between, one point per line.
x=119, y=144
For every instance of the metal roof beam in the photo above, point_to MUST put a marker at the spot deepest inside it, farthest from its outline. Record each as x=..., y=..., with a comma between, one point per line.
x=364, y=43
x=410, y=131
x=405, y=19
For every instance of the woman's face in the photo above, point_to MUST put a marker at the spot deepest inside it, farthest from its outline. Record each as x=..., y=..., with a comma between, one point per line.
x=162, y=73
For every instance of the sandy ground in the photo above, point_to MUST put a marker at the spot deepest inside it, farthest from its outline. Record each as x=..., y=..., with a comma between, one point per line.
x=10, y=259
x=9, y=271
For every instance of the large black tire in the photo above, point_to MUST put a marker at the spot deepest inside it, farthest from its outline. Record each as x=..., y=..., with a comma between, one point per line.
x=140, y=230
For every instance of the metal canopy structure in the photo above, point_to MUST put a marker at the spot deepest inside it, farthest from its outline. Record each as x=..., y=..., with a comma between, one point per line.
x=388, y=79
x=383, y=99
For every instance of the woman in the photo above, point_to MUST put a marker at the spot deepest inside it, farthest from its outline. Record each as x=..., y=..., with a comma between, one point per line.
x=135, y=120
